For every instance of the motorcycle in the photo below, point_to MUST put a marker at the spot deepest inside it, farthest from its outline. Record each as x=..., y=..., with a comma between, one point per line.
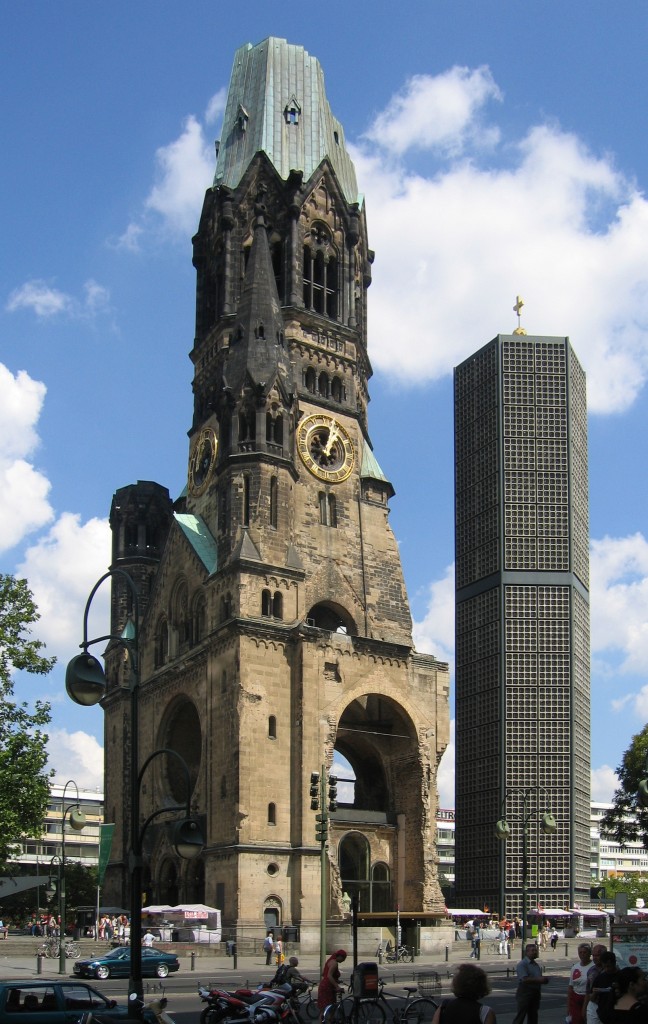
x=247, y=1006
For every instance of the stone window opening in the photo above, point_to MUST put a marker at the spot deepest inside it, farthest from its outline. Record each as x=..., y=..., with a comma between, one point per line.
x=274, y=502
x=274, y=427
x=272, y=814
x=328, y=509
x=246, y=500
x=161, y=647
x=272, y=604
x=310, y=380
x=320, y=274
x=272, y=727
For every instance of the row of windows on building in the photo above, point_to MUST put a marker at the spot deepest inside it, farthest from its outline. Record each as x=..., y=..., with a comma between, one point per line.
x=327, y=503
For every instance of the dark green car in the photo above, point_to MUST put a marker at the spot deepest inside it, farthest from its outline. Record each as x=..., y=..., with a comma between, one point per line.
x=53, y=1002
x=116, y=964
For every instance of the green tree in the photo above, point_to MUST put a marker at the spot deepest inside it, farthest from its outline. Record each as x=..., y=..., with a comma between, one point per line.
x=24, y=781
x=627, y=819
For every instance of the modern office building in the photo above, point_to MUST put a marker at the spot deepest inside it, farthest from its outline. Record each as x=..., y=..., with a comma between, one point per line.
x=522, y=623
x=274, y=622
x=610, y=858
x=81, y=847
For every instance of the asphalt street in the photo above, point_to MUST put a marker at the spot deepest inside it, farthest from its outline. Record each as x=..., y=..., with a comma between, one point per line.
x=18, y=960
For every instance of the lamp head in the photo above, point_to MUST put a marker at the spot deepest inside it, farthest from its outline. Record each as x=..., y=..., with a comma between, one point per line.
x=643, y=793
x=503, y=829
x=548, y=824
x=188, y=839
x=78, y=819
x=85, y=680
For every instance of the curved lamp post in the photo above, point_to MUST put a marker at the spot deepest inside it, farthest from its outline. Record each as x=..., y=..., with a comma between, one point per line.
x=85, y=682
x=77, y=822
x=503, y=831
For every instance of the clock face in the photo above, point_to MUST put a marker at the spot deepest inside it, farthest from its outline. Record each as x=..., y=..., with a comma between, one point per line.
x=326, y=448
x=202, y=461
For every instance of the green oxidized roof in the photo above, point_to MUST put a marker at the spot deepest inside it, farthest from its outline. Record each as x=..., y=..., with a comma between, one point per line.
x=200, y=538
x=267, y=80
x=370, y=467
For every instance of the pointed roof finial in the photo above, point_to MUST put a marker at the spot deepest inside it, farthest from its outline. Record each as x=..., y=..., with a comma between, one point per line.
x=517, y=308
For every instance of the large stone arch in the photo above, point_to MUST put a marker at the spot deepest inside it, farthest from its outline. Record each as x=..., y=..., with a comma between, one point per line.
x=391, y=806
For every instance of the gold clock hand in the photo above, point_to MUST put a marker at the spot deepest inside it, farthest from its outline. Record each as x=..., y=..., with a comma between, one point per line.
x=334, y=434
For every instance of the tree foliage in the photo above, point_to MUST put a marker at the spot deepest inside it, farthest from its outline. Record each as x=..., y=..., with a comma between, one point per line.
x=24, y=781
x=628, y=820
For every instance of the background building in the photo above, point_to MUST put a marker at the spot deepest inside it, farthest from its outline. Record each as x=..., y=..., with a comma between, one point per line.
x=82, y=847
x=274, y=622
x=610, y=858
x=522, y=622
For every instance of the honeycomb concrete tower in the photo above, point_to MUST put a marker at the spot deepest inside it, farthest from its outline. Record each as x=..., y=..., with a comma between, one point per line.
x=522, y=625
x=276, y=626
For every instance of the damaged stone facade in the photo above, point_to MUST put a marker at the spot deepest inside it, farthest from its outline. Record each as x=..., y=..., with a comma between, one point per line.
x=276, y=628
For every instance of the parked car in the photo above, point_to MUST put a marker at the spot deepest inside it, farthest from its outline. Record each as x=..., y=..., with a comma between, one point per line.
x=53, y=1002
x=116, y=964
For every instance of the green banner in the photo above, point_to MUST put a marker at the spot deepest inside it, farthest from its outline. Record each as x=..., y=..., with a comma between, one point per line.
x=105, y=843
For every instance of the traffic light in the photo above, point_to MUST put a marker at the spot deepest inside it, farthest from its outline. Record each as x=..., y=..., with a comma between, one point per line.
x=332, y=793
x=314, y=791
x=321, y=828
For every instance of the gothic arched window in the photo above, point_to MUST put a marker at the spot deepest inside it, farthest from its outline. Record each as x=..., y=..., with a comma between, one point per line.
x=320, y=275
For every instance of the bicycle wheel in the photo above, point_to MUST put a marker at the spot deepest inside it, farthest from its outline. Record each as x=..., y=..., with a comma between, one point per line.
x=72, y=951
x=309, y=1009
x=405, y=955
x=420, y=1011
x=370, y=1012
x=338, y=1013
x=52, y=951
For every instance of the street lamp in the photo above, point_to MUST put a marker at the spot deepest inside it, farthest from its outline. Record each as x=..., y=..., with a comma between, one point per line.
x=503, y=831
x=77, y=822
x=85, y=682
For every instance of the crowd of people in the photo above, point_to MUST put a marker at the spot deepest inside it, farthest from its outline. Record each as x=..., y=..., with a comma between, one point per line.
x=598, y=991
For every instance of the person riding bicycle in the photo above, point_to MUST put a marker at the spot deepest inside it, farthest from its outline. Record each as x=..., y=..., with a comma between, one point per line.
x=295, y=978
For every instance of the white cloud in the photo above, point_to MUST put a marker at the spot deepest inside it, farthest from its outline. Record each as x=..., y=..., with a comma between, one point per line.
x=24, y=506
x=185, y=168
x=435, y=633
x=39, y=296
x=446, y=772
x=619, y=599
x=604, y=783
x=46, y=301
x=62, y=567
x=78, y=756
x=216, y=106
x=436, y=112
x=542, y=217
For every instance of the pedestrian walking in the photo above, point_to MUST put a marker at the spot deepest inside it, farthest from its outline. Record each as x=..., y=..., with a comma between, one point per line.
x=529, y=989
x=577, y=987
x=268, y=946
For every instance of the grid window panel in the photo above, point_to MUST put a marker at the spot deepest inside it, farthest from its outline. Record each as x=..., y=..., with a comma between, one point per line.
x=520, y=601
x=518, y=388
x=552, y=488
x=551, y=421
x=521, y=635
x=521, y=670
x=518, y=356
x=551, y=455
x=554, y=668
x=519, y=453
x=551, y=389
x=551, y=357
x=520, y=487
x=553, y=521
x=553, y=554
x=520, y=553
x=554, y=635
x=553, y=602
x=519, y=421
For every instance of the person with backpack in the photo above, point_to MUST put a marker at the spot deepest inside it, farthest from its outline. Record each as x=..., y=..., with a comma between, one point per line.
x=268, y=946
x=293, y=977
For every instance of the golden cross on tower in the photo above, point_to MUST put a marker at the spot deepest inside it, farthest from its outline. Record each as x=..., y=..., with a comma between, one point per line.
x=517, y=308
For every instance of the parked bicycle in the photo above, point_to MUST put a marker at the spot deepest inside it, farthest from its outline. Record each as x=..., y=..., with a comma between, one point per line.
x=419, y=1010
x=51, y=949
x=399, y=955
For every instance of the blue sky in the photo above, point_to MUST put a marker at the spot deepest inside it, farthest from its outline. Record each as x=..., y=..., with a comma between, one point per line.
x=502, y=150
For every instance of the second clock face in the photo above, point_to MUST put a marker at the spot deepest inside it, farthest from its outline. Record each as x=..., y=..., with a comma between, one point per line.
x=326, y=448
x=203, y=459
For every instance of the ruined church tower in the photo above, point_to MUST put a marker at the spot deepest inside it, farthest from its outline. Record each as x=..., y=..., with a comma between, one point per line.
x=276, y=630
